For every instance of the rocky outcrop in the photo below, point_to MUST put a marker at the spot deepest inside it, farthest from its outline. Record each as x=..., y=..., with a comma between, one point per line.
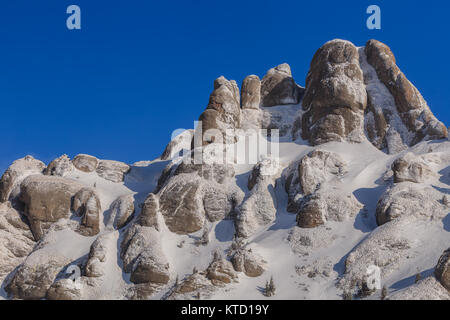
x=47, y=199
x=251, y=92
x=113, y=171
x=411, y=168
x=59, y=167
x=120, y=212
x=143, y=256
x=410, y=105
x=64, y=289
x=35, y=276
x=86, y=204
x=317, y=167
x=335, y=96
x=442, y=270
x=259, y=207
x=248, y=262
x=326, y=205
x=97, y=257
x=408, y=199
x=85, y=163
x=221, y=272
x=222, y=113
x=14, y=175
x=278, y=87
x=178, y=146
x=16, y=239
x=149, y=213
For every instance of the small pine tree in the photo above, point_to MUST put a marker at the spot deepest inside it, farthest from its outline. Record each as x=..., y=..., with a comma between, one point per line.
x=194, y=270
x=198, y=295
x=176, y=281
x=272, y=286
x=384, y=293
x=347, y=295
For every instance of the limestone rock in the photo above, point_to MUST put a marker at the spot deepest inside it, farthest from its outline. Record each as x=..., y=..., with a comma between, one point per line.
x=113, y=171
x=335, y=96
x=47, y=199
x=120, y=212
x=248, y=262
x=318, y=167
x=35, y=276
x=408, y=199
x=64, y=289
x=86, y=203
x=97, y=257
x=179, y=146
x=221, y=272
x=325, y=205
x=16, y=173
x=59, y=167
x=442, y=271
x=278, y=87
x=411, y=168
x=85, y=163
x=149, y=213
x=410, y=104
x=251, y=92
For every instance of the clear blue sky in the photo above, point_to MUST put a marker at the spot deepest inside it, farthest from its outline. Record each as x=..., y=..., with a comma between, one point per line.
x=139, y=69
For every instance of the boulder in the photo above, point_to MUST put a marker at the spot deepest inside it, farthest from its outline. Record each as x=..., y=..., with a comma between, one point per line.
x=16, y=239
x=248, y=262
x=251, y=92
x=317, y=167
x=113, y=171
x=95, y=266
x=442, y=270
x=47, y=199
x=335, y=96
x=59, y=167
x=142, y=255
x=411, y=168
x=179, y=145
x=221, y=272
x=35, y=276
x=16, y=173
x=85, y=163
x=325, y=205
x=86, y=204
x=120, y=212
x=408, y=199
x=409, y=103
x=64, y=289
x=279, y=88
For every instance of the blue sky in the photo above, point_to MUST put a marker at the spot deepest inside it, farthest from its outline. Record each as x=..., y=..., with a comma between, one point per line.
x=139, y=69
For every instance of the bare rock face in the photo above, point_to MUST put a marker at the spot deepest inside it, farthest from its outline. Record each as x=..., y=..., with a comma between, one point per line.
x=85, y=163
x=120, y=212
x=148, y=217
x=221, y=272
x=318, y=167
x=113, y=171
x=248, y=262
x=64, y=289
x=212, y=172
x=16, y=239
x=251, y=92
x=411, y=168
x=325, y=205
x=442, y=271
x=143, y=256
x=408, y=199
x=35, y=276
x=335, y=96
x=410, y=104
x=59, y=167
x=86, y=203
x=47, y=199
x=222, y=112
x=279, y=88
x=181, y=204
x=14, y=175
x=426, y=289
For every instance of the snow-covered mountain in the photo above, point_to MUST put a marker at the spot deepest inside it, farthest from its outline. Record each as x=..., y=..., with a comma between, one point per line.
x=333, y=190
